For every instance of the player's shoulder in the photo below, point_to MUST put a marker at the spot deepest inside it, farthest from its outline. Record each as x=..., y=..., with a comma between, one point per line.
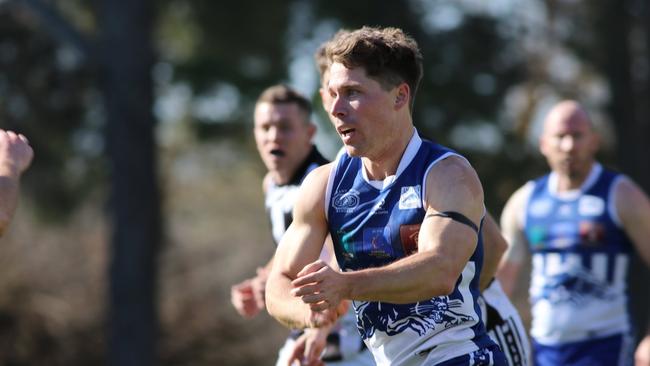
x=317, y=177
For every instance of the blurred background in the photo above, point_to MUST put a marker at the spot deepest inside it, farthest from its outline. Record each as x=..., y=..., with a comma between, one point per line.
x=144, y=205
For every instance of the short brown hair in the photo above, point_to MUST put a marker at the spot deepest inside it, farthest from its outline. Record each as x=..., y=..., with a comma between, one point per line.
x=284, y=94
x=320, y=56
x=388, y=55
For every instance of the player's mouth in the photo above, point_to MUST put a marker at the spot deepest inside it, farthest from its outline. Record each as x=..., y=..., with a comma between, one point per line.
x=346, y=133
x=277, y=153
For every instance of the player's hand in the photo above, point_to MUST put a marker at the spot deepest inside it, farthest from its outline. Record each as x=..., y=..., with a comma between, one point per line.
x=319, y=286
x=642, y=354
x=242, y=297
x=258, y=284
x=322, y=318
x=15, y=152
x=309, y=347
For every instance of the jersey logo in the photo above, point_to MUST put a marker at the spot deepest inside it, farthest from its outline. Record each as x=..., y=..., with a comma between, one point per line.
x=591, y=206
x=408, y=234
x=346, y=201
x=573, y=287
x=376, y=242
x=410, y=198
x=393, y=319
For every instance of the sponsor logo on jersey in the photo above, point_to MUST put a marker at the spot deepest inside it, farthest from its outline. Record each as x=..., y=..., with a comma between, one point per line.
x=562, y=234
x=592, y=233
x=540, y=208
x=536, y=235
x=408, y=234
x=380, y=208
x=591, y=206
x=410, y=198
x=346, y=201
x=376, y=242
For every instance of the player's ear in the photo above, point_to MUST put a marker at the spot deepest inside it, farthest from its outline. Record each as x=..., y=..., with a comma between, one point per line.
x=311, y=130
x=402, y=95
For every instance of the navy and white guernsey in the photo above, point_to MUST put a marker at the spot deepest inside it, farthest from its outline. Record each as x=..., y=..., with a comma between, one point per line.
x=580, y=258
x=374, y=226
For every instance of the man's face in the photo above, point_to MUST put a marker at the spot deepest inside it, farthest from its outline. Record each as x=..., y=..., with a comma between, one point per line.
x=282, y=135
x=569, y=142
x=362, y=111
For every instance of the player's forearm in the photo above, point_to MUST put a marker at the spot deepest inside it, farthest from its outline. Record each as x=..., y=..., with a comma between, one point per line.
x=9, y=187
x=287, y=309
x=418, y=277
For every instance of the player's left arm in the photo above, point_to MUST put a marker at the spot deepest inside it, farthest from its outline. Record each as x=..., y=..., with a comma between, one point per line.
x=633, y=209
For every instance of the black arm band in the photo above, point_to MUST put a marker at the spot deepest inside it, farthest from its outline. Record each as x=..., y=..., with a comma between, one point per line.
x=458, y=217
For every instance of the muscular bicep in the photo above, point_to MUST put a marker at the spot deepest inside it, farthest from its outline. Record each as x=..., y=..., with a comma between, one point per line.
x=454, y=208
x=303, y=241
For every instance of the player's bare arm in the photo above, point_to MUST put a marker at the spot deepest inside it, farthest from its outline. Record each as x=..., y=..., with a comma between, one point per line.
x=512, y=230
x=494, y=245
x=300, y=246
x=445, y=246
x=633, y=208
x=15, y=157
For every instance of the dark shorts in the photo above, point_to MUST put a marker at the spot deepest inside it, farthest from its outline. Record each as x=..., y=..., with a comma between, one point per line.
x=488, y=356
x=616, y=350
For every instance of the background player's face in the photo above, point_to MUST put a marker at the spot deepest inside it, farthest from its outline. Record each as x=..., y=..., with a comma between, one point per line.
x=283, y=136
x=362, y=112
x=569, y=142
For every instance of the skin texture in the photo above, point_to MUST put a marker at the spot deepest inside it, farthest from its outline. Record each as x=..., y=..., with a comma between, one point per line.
x=569, y=144
x=15, y=157
x=376, y=125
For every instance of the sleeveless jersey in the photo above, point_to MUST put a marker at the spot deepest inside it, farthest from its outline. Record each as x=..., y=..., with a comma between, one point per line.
x=580, y=259
x=373, y=227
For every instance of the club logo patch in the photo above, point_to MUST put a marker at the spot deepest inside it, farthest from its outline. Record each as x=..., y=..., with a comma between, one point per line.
x=410, y=198
x=409, y=236
x=591, y=206
x=346, y=201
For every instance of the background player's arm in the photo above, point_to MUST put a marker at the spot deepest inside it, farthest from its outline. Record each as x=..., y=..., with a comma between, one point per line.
x=444, y=247
x=300, y=245
x=512, y=261
x=494, y=245
x=633, y=208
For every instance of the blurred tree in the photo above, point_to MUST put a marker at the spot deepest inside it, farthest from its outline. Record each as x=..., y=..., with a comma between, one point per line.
x=125, y=59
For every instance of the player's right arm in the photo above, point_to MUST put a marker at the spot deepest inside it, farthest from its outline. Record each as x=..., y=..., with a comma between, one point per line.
x=301, y=244
x=512, y=229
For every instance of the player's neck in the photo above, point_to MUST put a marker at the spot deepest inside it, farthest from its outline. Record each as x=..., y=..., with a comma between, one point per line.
x=572, y=181
x=385, y=163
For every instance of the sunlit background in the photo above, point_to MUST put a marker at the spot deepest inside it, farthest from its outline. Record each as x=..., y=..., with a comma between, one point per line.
x=144, y=204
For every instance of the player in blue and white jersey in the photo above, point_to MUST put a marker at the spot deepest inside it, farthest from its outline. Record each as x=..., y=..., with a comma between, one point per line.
x=405, y=217
x=283, y=134
x=581, y=223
